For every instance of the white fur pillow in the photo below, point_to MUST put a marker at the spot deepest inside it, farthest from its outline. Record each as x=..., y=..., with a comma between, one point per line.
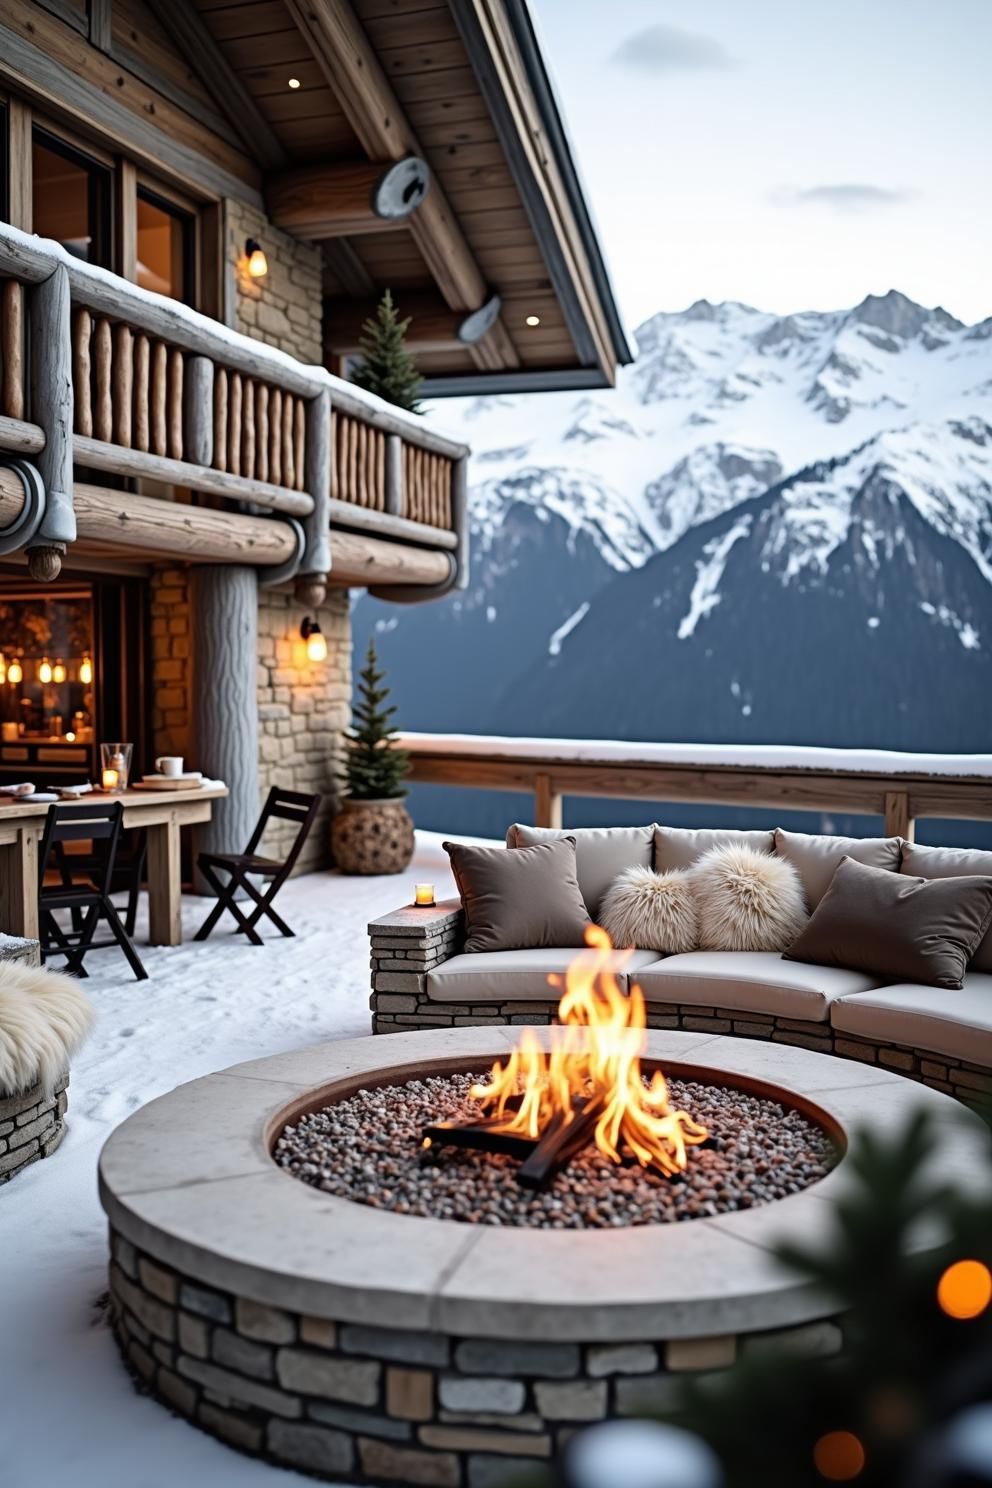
x=747, y=900
x=44, y=1017
x=651, y=911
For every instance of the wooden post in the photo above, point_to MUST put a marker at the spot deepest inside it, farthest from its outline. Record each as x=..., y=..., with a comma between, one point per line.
x=165, y=925
x=225, y=704
x=288, y=459
x=220, y=418
x=141, y=424
x=82, y=333
x=262, y=430
x=547, y=803
x=899, y=821
x=122, y=381
x=248, y=430
x=174, y=415
x=103, y=411
x=316, y=527
x=199, y=401
x=52, y=405
x=13, y=349
x=234, y=402
x=160, y=364
x=19, y=879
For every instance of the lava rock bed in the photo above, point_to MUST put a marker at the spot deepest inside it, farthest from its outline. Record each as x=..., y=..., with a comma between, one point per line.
x=368, y=1149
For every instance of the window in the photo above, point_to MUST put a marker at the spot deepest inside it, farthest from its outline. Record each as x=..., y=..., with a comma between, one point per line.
x=165, y=239
x=70, y=198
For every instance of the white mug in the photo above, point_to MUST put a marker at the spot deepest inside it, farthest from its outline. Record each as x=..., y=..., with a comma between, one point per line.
x=170, y=764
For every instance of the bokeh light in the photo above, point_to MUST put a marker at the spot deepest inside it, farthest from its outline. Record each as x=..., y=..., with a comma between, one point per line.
x=839, y=1456
x=965, y=1289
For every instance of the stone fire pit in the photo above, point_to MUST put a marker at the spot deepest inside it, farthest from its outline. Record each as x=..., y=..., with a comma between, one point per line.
x=359, y=1343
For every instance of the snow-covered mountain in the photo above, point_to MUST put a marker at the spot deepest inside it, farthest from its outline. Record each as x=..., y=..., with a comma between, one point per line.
x=757, y=492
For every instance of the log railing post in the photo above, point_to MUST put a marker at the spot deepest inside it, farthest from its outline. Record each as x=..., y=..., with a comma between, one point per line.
x=199, y=399
x=52, y=408
x=395, y=495
x=12, y=310
x=316, y=561
x=899, y=821
x=547, y=803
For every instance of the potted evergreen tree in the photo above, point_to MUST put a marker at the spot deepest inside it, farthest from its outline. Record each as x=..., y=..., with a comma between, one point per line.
x=386, y=367
x=373, y=831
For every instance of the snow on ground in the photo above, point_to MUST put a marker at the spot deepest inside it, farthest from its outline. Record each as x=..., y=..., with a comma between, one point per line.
x=68, y=1410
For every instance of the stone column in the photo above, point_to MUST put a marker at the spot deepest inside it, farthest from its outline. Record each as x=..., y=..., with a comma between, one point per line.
x=225, y=705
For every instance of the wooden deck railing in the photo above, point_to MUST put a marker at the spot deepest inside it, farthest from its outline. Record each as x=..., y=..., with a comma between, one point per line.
x=900, y=788
x=142, y=386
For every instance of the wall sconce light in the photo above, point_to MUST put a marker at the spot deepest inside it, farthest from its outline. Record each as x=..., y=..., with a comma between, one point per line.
x=15, y=672
x=258, y=264
x=45, y=672
x=86, y=671
x=313, y=635
x=58, y=672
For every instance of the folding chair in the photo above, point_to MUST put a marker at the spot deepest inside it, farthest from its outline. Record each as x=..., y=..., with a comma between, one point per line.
x=129, y=871
x=281, y=805
x=89, y=901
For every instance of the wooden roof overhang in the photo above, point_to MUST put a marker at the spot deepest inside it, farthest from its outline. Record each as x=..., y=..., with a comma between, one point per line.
x=503, y=228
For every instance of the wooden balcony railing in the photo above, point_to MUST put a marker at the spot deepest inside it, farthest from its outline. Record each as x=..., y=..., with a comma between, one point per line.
x=900, y=788
x=134, y=384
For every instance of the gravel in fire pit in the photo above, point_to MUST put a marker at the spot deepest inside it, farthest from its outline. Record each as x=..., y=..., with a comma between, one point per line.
x=368, y=1148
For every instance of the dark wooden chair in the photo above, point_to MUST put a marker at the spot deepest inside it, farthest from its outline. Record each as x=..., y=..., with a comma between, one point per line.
x=127, y=877
x=241, y=868
x=88, y=901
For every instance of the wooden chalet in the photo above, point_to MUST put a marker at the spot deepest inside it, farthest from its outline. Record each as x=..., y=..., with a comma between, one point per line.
x=200, y=202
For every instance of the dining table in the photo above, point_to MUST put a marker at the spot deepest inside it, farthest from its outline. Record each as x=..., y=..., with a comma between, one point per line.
x=161, y=814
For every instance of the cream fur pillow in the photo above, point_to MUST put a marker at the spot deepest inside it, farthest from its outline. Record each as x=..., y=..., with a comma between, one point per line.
x=44, y=1017
x=747, y=900
x=651, y=911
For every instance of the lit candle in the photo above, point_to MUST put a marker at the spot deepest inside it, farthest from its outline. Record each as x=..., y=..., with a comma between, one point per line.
x=109, y=779
x=423, y=894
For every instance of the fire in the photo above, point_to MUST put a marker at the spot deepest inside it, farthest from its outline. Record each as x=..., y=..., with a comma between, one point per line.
x=594, y=1064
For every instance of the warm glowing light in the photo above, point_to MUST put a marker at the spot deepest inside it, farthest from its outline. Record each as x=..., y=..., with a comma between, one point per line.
x=595, y=1055
x=70, y=737
x=109, y=779
x=294, y=82
x=423, y=894
x=15, y=672
x=258, y=264
x=839, y=1456
x=3, y=669
x=45, y=671
x=86, y=671
x=964, y=1291
x=58, y=672
x=316, y=642
x=532, y=320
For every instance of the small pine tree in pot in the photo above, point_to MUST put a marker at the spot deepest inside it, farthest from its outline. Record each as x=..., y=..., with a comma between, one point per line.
x=373, y=831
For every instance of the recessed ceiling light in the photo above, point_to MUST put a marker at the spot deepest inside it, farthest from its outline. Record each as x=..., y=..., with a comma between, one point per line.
x=294, y=82
x=533, y=320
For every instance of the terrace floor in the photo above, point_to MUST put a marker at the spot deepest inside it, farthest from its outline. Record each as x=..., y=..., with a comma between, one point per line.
x=70, y=1412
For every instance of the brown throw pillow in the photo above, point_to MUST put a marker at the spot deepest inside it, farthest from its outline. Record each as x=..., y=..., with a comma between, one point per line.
x=815, y=857
x=900, y=928
x=680, y=847
x=951, y=862
x=519, y=900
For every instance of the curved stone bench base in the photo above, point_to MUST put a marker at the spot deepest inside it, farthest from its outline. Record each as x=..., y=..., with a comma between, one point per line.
x=378, y=1405
x=31, y=1127
x=969, y=1082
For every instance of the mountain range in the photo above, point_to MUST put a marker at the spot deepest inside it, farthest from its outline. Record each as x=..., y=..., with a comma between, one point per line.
x=776, y=529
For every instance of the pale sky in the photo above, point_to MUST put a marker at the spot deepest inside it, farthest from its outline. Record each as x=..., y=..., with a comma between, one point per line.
x=793, y=154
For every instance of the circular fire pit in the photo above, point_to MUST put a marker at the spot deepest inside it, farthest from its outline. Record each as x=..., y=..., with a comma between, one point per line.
x=357, y=1342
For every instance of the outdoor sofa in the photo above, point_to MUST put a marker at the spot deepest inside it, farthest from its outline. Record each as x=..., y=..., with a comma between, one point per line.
x=422, y=978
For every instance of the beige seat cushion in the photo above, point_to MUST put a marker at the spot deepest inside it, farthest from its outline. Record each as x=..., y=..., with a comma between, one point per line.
x=956, y=1023
x=601, y=853
x=751, y=982
x=514, y=976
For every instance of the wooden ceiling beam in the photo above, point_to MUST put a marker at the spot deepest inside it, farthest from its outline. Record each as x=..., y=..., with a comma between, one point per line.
x=354, y=73
x=433, y=326
x=185, y=25
x=346, y=199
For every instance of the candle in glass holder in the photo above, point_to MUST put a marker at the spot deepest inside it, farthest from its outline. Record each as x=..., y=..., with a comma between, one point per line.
x=423, y=894
x=109, y=780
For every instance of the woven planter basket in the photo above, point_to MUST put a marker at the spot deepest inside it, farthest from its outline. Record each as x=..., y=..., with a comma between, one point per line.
x=372, y=837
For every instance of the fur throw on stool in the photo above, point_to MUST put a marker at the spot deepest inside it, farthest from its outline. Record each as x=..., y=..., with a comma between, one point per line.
x=652, y=911
x=747, y=900
x=44, y=1017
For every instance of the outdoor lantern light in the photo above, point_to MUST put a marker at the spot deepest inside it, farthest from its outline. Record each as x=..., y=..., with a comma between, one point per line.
x=45, y=672
x=258, y=264
x=58, y=672
x=15, y=672
x=313, y=635
x=86, y=671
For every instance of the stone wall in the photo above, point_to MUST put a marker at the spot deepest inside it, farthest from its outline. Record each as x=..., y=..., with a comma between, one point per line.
x=32, y=1125
x=389, y=1405
x=303, y=706
x=284, y=308
x=171, y=662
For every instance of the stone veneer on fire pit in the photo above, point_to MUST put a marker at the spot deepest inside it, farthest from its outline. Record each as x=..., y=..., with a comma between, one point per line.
x=362, y=1345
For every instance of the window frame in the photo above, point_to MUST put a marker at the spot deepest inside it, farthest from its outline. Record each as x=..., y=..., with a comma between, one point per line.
x=101, y=184
x=187, y=213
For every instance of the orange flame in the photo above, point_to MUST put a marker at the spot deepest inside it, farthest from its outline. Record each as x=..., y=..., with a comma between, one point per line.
x=595, y=1053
